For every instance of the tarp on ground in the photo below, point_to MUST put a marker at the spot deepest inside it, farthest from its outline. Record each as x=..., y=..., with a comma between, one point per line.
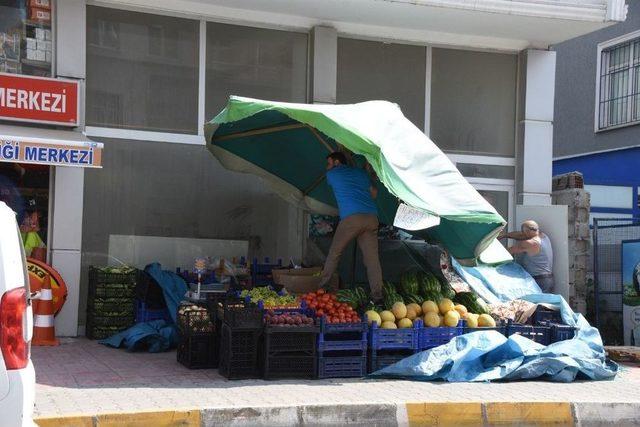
x=157, y=335
x=490, y=356
x=500, y=283
x=286, y=144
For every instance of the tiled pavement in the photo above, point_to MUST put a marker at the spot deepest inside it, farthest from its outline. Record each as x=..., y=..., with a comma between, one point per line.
x=83, y=377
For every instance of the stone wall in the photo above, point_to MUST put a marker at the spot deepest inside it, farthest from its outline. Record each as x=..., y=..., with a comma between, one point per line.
x=578, y=202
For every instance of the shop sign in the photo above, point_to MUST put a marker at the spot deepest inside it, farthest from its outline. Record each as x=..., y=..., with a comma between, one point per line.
x=23, y=150
x=38, y=100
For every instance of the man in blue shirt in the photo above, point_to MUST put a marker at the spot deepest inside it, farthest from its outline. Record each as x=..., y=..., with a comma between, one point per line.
x=355, y=195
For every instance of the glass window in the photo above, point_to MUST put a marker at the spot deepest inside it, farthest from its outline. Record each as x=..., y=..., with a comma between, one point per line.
x=473, y=102
x=254, y=62
x=610, y=196
x=499, y=200
x=472, y=170
x=619, y=102
x=142, y=71
x=370, y=70
x=26, y=39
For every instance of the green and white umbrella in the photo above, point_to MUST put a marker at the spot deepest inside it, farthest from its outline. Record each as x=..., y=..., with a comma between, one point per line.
x=287, y=144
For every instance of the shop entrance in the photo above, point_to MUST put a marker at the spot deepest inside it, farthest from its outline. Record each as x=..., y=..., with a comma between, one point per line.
x=25, y=188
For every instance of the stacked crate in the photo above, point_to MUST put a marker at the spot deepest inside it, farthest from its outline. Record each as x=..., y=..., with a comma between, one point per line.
x=429, y=338
x=111, y=303
x=198, y=348
x=388, y=346
x=241, y=326
x=342, y=349
x=290, y=351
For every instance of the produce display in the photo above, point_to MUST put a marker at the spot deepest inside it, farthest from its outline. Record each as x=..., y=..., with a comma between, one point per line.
x=194, y=319
x=421, y=295
x=287, y=319
x=327, y=304
x=271, y=298
x=357, y=298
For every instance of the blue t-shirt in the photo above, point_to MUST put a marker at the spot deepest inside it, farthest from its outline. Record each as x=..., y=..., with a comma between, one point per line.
x=351, y=189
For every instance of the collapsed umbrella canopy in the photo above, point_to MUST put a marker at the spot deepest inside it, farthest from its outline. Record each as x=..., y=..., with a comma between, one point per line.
x=287, y=145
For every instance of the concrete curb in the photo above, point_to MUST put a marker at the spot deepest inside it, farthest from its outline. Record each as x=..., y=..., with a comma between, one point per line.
x=409, y=414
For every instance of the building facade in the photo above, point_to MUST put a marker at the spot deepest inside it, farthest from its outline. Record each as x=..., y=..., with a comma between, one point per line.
x=597, y=112
x=477, y=78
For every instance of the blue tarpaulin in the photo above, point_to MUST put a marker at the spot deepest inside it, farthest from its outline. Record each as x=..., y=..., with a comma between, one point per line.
x=490, y=356
x=157, y=335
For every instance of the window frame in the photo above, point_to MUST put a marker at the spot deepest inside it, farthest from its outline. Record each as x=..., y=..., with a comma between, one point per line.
x=601, y=47
x=180, y=138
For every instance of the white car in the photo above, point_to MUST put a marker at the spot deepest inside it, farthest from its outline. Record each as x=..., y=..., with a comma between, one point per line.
x=17, y=376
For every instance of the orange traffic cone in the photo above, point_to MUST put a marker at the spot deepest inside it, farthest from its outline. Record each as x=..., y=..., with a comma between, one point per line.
x=43, y=331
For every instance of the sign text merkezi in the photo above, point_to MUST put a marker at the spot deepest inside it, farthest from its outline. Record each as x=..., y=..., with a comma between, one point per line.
x=39, y=100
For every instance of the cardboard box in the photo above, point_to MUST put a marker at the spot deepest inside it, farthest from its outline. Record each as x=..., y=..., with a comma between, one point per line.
x=41, y=45
x=32, y=44
x=31, y=54
x=47, y=56
x=40, y=55
x=302, y=280
x=40, y=34
x=47, y=34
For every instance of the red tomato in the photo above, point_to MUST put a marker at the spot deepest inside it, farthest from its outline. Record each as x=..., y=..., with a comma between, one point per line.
x=320, y=313
x=320, y=291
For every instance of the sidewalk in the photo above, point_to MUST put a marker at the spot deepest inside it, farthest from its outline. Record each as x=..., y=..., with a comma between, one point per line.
x=81, y=383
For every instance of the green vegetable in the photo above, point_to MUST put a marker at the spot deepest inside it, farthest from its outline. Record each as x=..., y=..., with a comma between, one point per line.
x=470, y=300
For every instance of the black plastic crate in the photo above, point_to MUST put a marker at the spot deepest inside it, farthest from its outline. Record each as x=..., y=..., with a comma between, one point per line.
x=382, y=359
x=194, y=319
x=342, y=367
x=198, y=351
x=239, y=353
x=290, y=340
x=97, y=276
x=112, y=290
x=238, y=313
x=278, y=366
x=149, y=292
x=123, y=321
x=119, y=306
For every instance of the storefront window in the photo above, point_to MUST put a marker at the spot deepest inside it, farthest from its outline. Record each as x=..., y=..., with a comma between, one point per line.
x=26, y=39
x=142, y=71
x=254, y=62
x=25, y=189
x=370, y=70
x=473, y=102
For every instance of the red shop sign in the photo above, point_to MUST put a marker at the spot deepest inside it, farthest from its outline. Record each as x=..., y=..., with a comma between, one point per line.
x=38, y=100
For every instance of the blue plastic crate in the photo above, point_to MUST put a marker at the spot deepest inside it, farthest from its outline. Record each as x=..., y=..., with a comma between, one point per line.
x=539, y=334
x=342, y=367
x=379, y=360
x=435, y=337
x=261, y=272
x=501, y=329
x=393, y=339
x=143, y=314
x=543, y=315
x=561, y=332
x=342, y=336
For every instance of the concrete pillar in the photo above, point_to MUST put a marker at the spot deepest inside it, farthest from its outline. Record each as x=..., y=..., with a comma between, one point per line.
x=535, y=148
x=324, y=64
x=66, y=242
x=68, y=186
